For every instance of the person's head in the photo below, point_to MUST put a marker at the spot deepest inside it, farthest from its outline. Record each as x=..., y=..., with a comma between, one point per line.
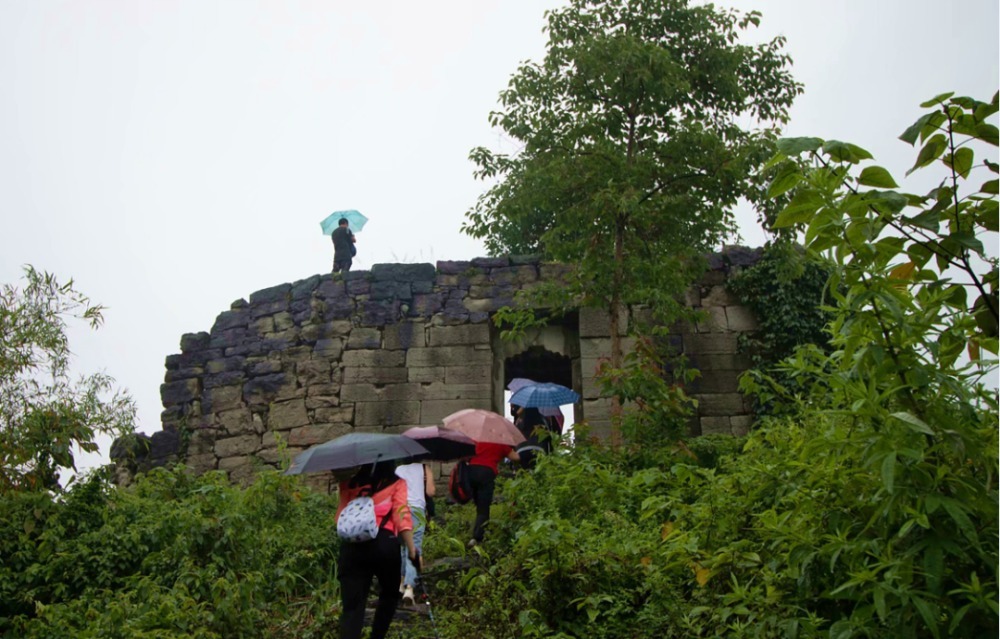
x=379, y=474
x=342, y=222
x=513, y=409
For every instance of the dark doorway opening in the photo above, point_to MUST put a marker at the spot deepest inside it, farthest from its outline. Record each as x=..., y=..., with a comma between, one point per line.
x=539, y=365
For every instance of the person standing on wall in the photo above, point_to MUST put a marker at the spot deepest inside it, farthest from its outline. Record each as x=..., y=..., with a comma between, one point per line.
x=343, y=246
x=419, y=487
x=378, y=558
x=483, y=469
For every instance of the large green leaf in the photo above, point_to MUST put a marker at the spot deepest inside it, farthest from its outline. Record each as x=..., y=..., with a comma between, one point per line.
x=797, y=146
x=936, y=100
x=845, y=152
x=878, y=177
x=931, y=151
x=787, y=177
x=803, y=206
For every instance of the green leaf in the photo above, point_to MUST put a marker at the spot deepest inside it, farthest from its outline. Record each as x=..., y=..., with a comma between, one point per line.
x=931, y=151
x=967, y=240
x=929, y=219
x=990, y=187
x=878, y=177
x=987, y=133
x=845, y=152
x=803, y=206
x=927, y=610
x=961, y=519
x=914, y=423
x=889, y=472
x=797, y=146
x=962, y=162
x=910, y=135
x=936, y=100
x=787, y=177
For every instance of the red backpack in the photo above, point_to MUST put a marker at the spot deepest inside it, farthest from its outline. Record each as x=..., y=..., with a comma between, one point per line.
x=459, y=486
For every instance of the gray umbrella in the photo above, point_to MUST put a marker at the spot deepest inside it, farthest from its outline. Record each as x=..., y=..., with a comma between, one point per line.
x=353, y=450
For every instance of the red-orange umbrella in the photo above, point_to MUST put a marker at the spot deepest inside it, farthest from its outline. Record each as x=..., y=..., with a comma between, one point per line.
x=484, y=426
x=442, y=444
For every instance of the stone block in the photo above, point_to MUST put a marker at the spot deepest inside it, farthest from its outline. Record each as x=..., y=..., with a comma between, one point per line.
x=202, y=441
x=458, y=335
x=239, y=445
x=334, y=415
x=328, y=347
x=313, y=332
x=698, y=343
x=740, y=424
x=200, y=464
x=481, y=374
x=180, y=392
x=448, y=356
x=373, y=358
x=313, y=434
x=712, y=319
x=719, y=404
x=715, y=425
x=287, y=414
x=191, y=342
x=222, y=398
x=718, y=296
x=371, y=393
x=692, y=297
x=362, y=375
x=719, y=361
x=433, y=411
x=598, y=347
x=721, y=381
x=596, y=322
x=235, y=422
x=313, y=371
x=426, y=374
x=459, y=390
x=405, y=335
x=741, y=319
x=263, y=389
x=384, y=414
x=321, y=401
x=364, y=339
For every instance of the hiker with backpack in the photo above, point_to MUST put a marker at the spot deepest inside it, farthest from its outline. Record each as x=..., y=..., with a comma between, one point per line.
x=372, y=517
x=482, y=473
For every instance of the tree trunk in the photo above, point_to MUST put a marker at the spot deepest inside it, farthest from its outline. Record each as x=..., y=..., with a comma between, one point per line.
x=616, y=340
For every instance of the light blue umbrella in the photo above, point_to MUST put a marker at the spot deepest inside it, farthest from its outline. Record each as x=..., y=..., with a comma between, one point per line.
x=355, y=221
x=544, y=395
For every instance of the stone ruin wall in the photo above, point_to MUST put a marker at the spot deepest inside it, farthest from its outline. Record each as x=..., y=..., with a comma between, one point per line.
x=398, y=346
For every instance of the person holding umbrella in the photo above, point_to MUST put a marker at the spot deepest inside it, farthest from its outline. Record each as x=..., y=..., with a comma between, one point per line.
x=373, y=490
x=377, y=558
x=343, y=246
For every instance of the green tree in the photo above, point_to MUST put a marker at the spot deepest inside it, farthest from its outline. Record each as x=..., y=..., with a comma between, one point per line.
x=634, y=148
x=44, y=415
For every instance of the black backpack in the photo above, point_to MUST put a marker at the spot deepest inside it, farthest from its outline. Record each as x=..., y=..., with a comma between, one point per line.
x=459, y=486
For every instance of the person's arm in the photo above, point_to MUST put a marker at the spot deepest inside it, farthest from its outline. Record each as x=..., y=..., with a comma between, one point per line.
x=429, y=488
x=513, y=456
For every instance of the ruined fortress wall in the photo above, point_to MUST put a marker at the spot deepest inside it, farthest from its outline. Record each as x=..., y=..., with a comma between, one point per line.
x=398, y=346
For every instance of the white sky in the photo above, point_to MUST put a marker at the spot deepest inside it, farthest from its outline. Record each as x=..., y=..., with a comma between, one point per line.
x=174, y=156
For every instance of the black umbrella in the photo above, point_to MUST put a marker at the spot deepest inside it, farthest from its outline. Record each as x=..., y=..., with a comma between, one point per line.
x=355, y=449
x=442, y=444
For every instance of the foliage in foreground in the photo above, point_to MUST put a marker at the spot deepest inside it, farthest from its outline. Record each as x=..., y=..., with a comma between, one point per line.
x=798, y=535
x=171, y=556
x=44, y=414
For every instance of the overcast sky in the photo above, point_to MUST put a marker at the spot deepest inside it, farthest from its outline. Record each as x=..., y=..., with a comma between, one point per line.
x=175, y=156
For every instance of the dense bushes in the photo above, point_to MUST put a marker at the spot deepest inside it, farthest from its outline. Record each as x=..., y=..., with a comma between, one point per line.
x=173, y=556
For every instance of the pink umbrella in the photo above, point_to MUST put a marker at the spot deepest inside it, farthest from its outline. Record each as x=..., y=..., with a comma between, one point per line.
x=484, y=426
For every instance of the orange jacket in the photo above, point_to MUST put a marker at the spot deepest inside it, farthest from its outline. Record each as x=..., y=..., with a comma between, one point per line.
x=392, y=497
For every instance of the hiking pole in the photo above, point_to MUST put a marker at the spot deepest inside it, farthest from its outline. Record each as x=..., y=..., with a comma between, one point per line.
x=427, y=597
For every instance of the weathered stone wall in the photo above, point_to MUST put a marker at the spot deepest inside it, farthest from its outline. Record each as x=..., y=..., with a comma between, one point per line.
x=401, y=345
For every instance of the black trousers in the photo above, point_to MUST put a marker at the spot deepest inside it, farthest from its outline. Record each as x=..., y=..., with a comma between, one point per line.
x=356, y=565
x=483, y=480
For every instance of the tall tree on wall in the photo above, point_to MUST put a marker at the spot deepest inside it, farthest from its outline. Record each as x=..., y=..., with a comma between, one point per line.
x=638, y=133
